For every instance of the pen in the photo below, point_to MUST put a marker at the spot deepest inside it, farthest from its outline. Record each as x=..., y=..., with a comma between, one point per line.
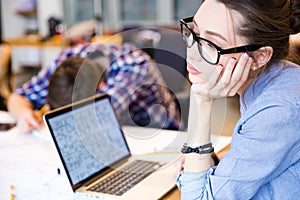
x=12, y=194
x=40, y=113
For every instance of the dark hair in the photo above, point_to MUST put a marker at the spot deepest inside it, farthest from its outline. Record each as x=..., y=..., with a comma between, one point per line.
x=94, y=56
x=268, y=22
x=75, y=79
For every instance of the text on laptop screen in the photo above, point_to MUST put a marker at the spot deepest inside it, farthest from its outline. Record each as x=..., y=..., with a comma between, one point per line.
x=89, y=139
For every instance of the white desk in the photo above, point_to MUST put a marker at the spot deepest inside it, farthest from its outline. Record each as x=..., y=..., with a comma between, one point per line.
x=30, y=163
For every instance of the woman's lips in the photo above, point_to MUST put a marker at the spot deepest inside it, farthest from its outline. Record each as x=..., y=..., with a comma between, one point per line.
x=194, y=75
x=192, y=70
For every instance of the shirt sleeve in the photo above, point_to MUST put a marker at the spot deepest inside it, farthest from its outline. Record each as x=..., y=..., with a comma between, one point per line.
x=186, y=183
x=128, y=71
x=36, y=89
x=263, y=147
x=122, y=81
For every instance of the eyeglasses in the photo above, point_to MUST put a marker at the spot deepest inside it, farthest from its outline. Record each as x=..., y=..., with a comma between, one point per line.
x=209, y=51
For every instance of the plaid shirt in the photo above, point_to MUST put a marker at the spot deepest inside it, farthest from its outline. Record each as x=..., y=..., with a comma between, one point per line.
x=135, y=85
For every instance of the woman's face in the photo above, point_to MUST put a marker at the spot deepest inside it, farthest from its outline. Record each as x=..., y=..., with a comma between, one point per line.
x=214, y=22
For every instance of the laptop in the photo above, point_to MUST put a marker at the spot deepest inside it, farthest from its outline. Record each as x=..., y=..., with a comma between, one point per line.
x=97, y=158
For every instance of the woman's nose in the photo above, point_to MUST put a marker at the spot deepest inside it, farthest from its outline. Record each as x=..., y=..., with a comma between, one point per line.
x=193, y=53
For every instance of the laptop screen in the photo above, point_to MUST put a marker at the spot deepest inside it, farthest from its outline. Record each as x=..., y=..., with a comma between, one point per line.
x=88, y=137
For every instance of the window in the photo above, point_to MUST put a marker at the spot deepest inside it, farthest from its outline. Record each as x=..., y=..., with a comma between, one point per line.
x=119, y=13
x=185, y=8
x=137, y=10
x=78, y=10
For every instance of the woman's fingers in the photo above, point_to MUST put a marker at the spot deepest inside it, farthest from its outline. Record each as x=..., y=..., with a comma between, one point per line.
x=226, y=82
x=226, y=77
x=234, y=76
x=179, y=164
x=243, y=77
x=222, y=84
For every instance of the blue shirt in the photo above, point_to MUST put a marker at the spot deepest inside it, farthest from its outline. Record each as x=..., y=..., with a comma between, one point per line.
x=264, y=159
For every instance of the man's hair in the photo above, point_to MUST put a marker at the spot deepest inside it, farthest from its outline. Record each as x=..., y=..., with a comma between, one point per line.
x=74, y=79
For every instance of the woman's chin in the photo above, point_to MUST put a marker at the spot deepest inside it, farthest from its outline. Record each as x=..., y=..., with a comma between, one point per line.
x=196, y=79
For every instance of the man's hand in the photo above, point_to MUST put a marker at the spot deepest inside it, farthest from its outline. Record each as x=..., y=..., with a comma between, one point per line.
x=27, y=121
x=22, y=110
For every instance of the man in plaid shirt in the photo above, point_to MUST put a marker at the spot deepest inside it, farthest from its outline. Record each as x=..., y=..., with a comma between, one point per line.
x=132, y=80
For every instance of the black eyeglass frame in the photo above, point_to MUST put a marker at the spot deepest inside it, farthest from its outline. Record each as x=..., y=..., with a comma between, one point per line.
x=239, y=49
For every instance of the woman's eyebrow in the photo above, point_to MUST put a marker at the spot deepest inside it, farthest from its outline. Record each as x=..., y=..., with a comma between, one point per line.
x=217, y=35
x=212, y=32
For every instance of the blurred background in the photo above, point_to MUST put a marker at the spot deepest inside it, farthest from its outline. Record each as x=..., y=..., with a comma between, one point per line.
x=37, y=30
x=21, y=16
x=33, y=33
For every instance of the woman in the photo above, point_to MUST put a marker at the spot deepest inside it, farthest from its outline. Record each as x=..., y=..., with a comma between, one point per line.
x=240, y=47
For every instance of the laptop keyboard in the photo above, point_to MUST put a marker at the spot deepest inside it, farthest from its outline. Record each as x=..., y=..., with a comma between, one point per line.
x=120, y=182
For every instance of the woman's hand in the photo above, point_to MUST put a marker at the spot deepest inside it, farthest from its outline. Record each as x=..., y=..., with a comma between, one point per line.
x=179, y=164
x=227, y=81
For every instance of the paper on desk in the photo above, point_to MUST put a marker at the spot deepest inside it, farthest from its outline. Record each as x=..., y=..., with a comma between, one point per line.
x=7, y=121
x=161, y=140
x=43, y=134
x=30, y=165
x=6, y=117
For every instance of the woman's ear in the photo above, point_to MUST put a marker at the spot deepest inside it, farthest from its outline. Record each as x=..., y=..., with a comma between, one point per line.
x=262, y=56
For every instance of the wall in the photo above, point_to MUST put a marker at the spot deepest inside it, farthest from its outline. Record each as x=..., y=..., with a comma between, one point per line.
x=46, y=9
x=14, y=25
